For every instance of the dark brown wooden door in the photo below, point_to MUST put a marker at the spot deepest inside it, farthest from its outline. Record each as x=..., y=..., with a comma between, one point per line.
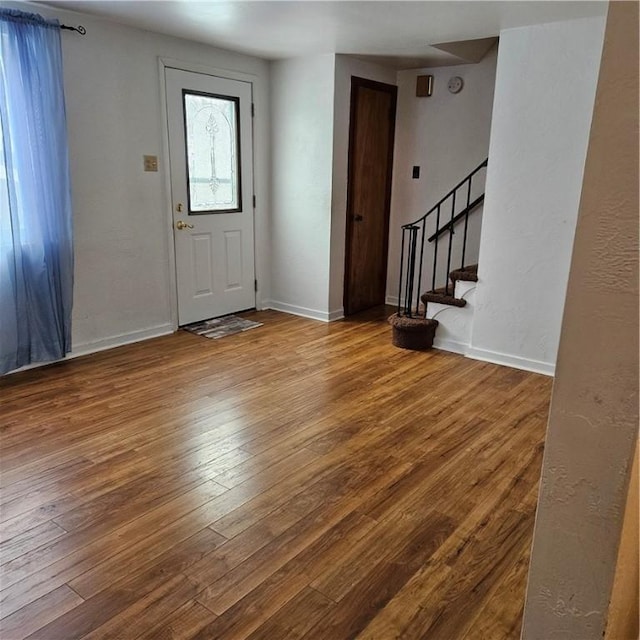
x=373, y=114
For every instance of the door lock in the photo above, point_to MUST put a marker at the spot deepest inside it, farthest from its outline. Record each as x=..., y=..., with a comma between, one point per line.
x=179, y=207
x=183, y=225
x=358, y=218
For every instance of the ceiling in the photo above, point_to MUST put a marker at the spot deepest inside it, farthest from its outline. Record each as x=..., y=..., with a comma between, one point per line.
x=396, y=33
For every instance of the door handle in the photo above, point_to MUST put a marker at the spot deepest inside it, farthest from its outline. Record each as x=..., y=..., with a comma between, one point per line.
x=183, y=225
x=358, y=218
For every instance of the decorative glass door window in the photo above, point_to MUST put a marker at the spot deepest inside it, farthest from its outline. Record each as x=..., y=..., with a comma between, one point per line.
x=213, y=152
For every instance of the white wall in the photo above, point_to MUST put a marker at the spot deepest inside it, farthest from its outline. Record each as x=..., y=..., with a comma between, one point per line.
x=122, y=234
x=545, y=88
x=346, y=67
x=302, y=91
x=447, y=135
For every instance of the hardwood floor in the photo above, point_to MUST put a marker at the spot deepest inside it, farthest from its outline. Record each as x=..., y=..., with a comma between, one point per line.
x=298, y=480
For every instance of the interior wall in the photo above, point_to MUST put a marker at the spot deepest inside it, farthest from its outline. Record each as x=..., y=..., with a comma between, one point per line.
x=545, y=87
x=122, y=234
x=623, y=619
x=447, y=136
x=593, y=423
x=302, y=96
x=345, y=68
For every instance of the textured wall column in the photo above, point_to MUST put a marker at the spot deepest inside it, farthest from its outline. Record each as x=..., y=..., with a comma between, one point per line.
x=593, y=422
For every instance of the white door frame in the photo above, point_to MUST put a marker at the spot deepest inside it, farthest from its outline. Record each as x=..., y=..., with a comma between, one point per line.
x=164, y=63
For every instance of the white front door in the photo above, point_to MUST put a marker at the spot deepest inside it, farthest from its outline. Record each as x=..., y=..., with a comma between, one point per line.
x=210, y=153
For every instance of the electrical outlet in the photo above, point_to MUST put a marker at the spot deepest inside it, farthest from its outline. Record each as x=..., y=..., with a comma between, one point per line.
x=150, y=163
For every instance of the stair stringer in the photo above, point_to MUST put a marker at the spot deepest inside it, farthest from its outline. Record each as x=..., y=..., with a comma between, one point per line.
x=454, y=330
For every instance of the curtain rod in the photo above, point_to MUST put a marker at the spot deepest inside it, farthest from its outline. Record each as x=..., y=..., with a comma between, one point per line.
x=15, y=15
x=80, y=29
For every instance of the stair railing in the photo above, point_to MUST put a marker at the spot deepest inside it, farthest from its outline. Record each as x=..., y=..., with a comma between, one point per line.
x=413, y=244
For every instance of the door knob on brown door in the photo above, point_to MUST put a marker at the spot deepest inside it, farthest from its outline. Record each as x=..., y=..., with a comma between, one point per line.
x=183, y=225
x=358, y=218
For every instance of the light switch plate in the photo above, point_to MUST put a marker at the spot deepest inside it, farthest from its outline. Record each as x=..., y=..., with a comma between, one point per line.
x=150, y=163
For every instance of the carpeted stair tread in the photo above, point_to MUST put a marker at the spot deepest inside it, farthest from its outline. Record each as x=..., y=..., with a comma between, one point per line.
x=441, y=297
x=467, y=274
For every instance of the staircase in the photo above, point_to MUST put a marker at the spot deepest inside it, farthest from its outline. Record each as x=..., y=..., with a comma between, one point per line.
x=435, y=249
x=453, y=312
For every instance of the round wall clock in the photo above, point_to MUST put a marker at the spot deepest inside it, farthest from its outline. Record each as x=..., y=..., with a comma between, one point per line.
x=455, y=84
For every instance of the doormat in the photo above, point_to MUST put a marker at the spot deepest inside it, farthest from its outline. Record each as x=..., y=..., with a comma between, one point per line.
x=221, y=327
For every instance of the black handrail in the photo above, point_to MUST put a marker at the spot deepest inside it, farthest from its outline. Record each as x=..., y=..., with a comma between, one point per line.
x=407, y=292
x=463, y=214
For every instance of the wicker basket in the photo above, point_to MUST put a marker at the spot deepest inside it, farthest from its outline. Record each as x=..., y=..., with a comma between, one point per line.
x=412, y=333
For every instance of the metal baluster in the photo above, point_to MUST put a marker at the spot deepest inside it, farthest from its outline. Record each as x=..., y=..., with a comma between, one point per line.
x=446, y=275
x=466, y=222
x=435, y=250
x=424, y=222
x=411, y=265
x=407, y=279
x=405, y=296
x=401, y=268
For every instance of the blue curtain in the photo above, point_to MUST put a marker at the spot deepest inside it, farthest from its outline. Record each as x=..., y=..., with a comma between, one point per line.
x=36, y=245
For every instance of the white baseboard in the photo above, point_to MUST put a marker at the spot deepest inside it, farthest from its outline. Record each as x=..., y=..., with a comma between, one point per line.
x=450, y=345
x=495, y=357
x=536, y=366
x=304, y=312
x=86, y=348
x=120, y=339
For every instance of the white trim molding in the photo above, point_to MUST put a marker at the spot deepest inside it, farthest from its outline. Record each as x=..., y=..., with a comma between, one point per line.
x=304, y=312
x=536, y=366
x=121, y=339
x=87, y=348
x=450, y=345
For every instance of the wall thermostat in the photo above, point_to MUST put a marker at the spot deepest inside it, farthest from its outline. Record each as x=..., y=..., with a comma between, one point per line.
x=455, y=84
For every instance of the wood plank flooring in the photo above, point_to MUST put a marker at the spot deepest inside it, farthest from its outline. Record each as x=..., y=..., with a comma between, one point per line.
x=299, y=480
